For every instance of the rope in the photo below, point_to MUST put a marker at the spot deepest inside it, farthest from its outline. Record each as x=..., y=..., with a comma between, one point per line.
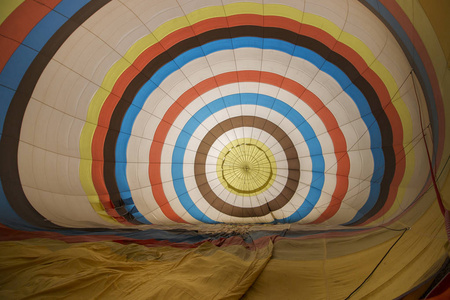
x=438, y=194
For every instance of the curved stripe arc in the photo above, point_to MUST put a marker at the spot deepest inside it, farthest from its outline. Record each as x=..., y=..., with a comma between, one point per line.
x=254, y=76
x=405, y=30
x=233, y=100
x=173, y=32
x=338, y=75
x=401, y=174
x=158, y=80
x=46, y=34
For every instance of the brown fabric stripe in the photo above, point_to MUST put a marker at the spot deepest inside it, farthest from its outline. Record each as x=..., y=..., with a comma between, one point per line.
x=275, y=33
x=10, y=137
x=247, y=212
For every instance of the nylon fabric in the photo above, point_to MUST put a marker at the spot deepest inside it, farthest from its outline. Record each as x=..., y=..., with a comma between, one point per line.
x=288, y=269
x=418, y=255
x=436, y=12
x=42, y=268
x=118, y=118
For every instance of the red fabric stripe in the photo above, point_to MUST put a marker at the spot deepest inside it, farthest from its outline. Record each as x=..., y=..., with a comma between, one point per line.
x=19, y=23
x=291, y=86
x=308, y=30
x=395, y=9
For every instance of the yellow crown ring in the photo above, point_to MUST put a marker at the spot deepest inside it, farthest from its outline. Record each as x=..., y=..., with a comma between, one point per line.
x=246, y=167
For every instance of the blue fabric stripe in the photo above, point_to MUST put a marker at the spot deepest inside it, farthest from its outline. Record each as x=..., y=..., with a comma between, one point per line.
x=69, y=8
x=16, y=67
x=6, y=96
x=44, y=30
x=421, y=71
x=243, y=99
x=312, y=57
x=11, y=76
x=9, y=217
x=20, y=61
x=13, y=72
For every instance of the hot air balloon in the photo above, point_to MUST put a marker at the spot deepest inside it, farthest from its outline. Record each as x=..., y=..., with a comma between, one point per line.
x=223, y=149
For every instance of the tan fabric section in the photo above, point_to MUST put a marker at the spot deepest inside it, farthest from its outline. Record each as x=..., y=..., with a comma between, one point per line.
x=445, y=193
x=46, y=268
x=438, y=12
x=298, y=269
x=418, y=255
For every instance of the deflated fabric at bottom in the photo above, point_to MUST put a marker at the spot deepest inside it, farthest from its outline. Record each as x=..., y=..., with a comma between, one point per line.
x=41, y=268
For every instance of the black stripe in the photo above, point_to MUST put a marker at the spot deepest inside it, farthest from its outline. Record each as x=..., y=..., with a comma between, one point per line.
x=10, y=137
x=267, y=32
x=421, y=77
x=9, y=143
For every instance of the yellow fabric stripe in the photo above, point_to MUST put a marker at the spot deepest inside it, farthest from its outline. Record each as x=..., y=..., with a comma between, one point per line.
x=285, y=11
x=399, y=105
x=244, y=8
x=7, y=7
x=171, y=26
x=410, y=159
x=205, y=13
x=430, y=19
x=228, y=10
x=322, y=23
x=85, y=171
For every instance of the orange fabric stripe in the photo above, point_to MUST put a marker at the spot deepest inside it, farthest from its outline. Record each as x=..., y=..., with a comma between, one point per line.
x=289, y=24
x=19, y=23
x=255, y=76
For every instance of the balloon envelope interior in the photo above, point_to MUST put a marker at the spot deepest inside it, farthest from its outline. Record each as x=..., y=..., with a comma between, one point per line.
x=212, y=112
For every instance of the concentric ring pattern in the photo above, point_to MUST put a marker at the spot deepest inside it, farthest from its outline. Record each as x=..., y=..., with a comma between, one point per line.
x=124, y=113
